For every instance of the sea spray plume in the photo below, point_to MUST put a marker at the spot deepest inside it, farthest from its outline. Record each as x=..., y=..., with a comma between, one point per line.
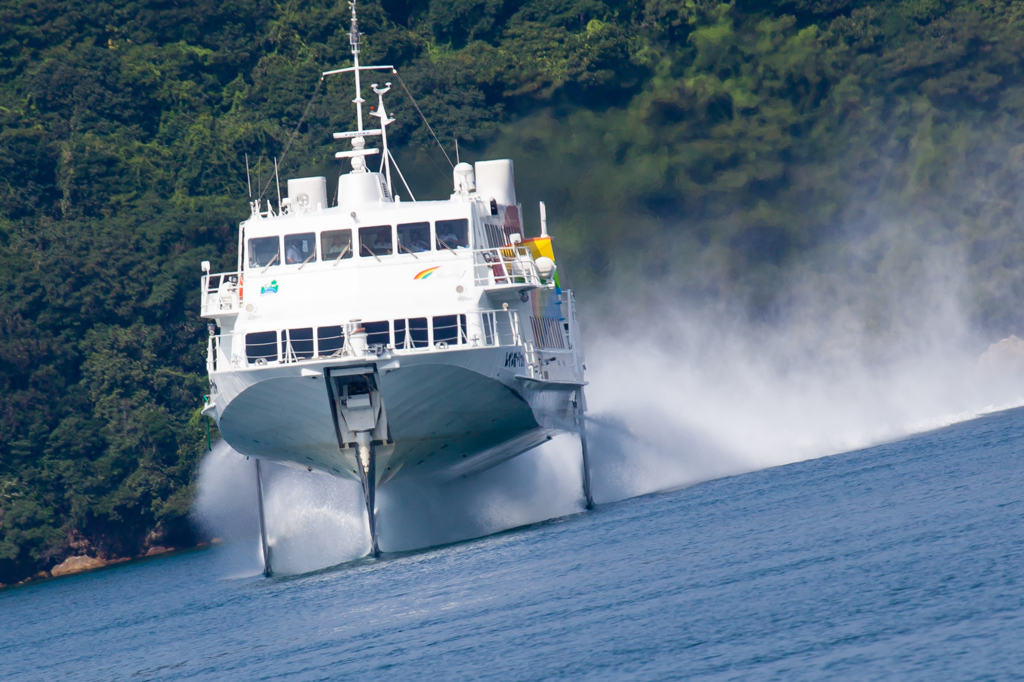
x=542, y=484
x=863, y=344
x=225, y=503
x=225, y=508
x=634, y=452
x=313, y=520
x=702, y=419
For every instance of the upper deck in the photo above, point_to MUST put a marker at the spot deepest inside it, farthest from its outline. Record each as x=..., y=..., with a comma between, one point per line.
x=318, y=272
x=384, y=258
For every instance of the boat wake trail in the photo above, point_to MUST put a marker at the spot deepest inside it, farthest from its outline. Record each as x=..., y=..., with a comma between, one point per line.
x=705, y=418
x=870, y=343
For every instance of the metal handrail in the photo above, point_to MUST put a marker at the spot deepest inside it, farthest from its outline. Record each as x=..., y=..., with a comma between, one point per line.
x=217, y=358
x=484, y=328
x=221, y=293
x=505, y=266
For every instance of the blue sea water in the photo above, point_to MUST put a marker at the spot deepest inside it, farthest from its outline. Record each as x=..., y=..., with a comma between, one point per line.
x=903, y=561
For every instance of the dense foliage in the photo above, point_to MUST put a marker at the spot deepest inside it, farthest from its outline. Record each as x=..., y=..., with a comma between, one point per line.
x=733, y=136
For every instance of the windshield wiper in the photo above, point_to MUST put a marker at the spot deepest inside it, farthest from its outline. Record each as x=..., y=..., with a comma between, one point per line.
x=342, y=254
x=311, y=257
x=445, y=245
x=369, y=251
x=403, y=246
x=276, y=256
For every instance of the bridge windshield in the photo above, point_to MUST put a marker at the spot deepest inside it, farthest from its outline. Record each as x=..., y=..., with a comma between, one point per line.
x=337, y=244
x=299, y=248
x=453, y=234
x=375, y=241
x=413, y=237
x=264, y=251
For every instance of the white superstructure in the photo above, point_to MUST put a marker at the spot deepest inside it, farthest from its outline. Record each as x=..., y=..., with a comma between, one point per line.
x=372, y=337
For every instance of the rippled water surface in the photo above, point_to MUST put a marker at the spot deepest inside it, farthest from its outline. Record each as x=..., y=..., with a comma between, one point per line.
x=902, y=560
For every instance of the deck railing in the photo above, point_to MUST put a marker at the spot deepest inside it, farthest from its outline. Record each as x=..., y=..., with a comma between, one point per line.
x=221, y=294
x=473, y=329
x=505, y=266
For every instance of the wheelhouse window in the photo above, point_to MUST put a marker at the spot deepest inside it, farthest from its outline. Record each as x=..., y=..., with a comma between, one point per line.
x=299, y=249
x=336, y=244
x=413, y=237
x=452, y=234
x=264, y=252
x=375, y=241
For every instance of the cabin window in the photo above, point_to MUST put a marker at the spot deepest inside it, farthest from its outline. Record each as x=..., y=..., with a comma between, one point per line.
x=264, y=251
x=413, y=237
x=329, y=340
x=299, y=248
x=452, y=234
x=261, y=346
x=298, y=344
x=336, y=244
x=411, y=333
x=449, y=330
x=375, y=241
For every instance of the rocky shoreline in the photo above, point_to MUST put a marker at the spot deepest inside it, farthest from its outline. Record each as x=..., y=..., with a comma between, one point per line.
x=84, y=563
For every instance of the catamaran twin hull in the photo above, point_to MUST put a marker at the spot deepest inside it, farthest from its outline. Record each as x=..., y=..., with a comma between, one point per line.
x=451, y=413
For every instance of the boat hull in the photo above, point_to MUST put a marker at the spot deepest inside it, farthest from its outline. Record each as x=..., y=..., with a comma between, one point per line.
x=449, y=414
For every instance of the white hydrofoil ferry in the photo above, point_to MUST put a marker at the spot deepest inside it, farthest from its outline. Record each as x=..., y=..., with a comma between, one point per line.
x=375, y=337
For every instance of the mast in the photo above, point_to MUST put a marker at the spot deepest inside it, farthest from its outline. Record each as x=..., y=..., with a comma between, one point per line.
x=359, y=151
x=353, y=39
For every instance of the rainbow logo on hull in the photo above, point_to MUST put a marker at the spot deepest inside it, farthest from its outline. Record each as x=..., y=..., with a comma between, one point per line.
x=426, y=273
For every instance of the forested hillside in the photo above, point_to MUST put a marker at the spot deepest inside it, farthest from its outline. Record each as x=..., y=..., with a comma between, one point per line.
x=708, y=143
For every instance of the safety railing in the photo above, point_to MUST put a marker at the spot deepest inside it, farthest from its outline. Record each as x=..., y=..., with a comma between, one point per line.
x=356, y=339
x=221, y=294
x=505, y=266
x=499, y=328
x=220, y=354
